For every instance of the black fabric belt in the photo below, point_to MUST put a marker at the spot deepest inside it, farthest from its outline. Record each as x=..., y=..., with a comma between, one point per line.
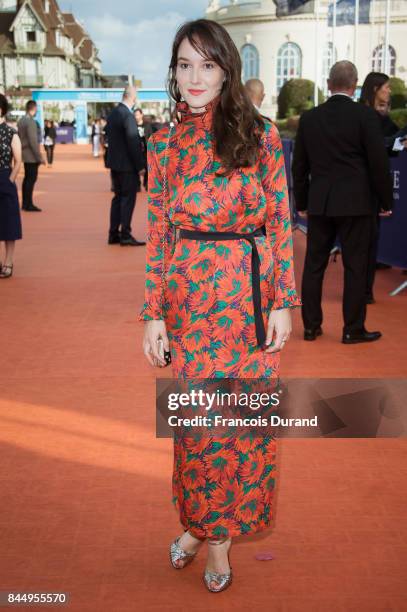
x=250, y=237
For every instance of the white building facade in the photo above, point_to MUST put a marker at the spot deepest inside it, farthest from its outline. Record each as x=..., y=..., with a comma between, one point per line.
x=42, y=47
x=303, y=45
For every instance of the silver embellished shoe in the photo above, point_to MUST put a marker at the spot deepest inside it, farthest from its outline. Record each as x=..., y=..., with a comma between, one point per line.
x=223, y=581
x=179, y=554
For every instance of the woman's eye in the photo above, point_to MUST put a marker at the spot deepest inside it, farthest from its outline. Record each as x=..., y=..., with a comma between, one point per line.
x=183, y=66
x=209, y=66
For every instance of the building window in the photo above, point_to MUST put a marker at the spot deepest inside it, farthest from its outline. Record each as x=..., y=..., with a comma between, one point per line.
x=289, y=63
x=328, y=60
x=250, y=62
x=378, y=60
x=31, y=36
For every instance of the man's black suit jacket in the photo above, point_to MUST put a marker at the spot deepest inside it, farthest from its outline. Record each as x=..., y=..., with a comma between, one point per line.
x=124, y=153
x=340, y=166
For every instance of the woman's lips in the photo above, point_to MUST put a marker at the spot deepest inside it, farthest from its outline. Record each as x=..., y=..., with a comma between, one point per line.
x=196, y=92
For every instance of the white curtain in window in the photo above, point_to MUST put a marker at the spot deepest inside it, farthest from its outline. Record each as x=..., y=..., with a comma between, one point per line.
x=289, y=63
x=250, y=62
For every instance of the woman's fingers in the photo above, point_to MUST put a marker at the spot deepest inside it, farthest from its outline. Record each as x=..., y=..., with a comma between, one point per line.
x=278, y=330
x=152, y=355
x=155, y=342
x=281, y=339
x=166, y=342
x=159, y=359
x=270, y=333
x=148, y=353
x=278, y=344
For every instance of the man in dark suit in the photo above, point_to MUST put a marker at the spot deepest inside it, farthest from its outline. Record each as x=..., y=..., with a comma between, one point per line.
x=125, y=160
x=340, y=171
x=30, y=136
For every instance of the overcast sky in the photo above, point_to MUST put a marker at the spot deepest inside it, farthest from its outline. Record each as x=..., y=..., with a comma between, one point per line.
x=134, y=35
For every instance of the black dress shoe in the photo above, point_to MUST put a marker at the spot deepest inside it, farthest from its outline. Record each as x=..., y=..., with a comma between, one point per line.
x=131, y=241
x=312, y=334
x=113, y=240
x=362, y=336
x=33, y=208
x=370, y=299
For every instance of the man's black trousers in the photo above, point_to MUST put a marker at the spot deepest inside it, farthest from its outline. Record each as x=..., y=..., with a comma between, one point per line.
x=29, y=180
x=125, y=186
x=355, y=236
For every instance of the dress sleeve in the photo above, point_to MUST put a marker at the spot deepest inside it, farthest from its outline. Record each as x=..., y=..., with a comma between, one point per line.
x=278, y=223
x=160, y=233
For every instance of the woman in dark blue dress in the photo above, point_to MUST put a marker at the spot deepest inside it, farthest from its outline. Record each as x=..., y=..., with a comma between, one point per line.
x=10, y=162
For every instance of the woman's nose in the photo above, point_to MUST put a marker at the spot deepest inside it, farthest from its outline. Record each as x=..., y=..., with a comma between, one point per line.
x=195, y=75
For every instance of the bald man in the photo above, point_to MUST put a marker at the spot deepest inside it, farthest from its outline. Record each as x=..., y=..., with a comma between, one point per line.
x=126, y=162
x=255, y=89
x=341, y=174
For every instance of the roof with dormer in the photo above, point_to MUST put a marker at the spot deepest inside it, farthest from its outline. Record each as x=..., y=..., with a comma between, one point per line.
x=50, y=21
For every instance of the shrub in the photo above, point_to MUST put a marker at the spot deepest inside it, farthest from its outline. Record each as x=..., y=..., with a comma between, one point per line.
x=286, y=127
x=397, y=85
x=399, y=116
x=398, y=97
x=398, y=101
x=296, y=96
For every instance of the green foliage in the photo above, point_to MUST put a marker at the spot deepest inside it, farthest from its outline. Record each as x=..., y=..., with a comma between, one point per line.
x=399, y=116
x=398, y=93
x=296, y=96
x=284, y=129
x=398, y=101
x=397, y=85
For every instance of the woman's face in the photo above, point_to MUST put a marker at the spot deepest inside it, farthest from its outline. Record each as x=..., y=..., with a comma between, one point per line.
x=381, y=106
x=383, y=93
x=199, y=80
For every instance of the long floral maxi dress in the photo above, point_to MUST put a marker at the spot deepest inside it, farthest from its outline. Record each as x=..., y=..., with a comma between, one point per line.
x=222, y=487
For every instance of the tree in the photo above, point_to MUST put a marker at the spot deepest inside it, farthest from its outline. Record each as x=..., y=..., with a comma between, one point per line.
x=296, y=96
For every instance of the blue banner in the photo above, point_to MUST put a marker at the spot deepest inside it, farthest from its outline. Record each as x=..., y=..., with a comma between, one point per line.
x=65, y=134
x=393, y=230
x=345, y=12
x=81, y=123
x=96, y=95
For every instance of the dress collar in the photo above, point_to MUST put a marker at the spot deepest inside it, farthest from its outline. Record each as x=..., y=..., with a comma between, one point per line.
x=205, y=116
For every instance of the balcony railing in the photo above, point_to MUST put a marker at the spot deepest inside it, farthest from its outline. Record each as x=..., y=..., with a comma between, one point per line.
x=30, y=80
x=30, y=47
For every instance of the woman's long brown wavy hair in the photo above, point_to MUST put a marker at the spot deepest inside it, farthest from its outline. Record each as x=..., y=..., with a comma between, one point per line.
x=237, y=125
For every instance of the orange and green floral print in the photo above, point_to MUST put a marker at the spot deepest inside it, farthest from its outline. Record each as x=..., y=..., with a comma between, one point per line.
x=206, y=301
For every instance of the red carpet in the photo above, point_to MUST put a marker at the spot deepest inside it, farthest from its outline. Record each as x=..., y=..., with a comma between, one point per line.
x=85, y=486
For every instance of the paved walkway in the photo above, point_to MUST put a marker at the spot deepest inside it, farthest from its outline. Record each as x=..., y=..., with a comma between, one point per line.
x=85, y=486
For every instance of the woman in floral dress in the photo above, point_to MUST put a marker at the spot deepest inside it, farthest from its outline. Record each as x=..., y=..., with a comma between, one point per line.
x=219, y=281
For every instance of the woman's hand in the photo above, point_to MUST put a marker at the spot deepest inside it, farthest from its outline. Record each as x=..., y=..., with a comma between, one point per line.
x=279, y=328
x=153, y=330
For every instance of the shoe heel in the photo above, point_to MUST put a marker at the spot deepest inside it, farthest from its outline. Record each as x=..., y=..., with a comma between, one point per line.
x=222, y=580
